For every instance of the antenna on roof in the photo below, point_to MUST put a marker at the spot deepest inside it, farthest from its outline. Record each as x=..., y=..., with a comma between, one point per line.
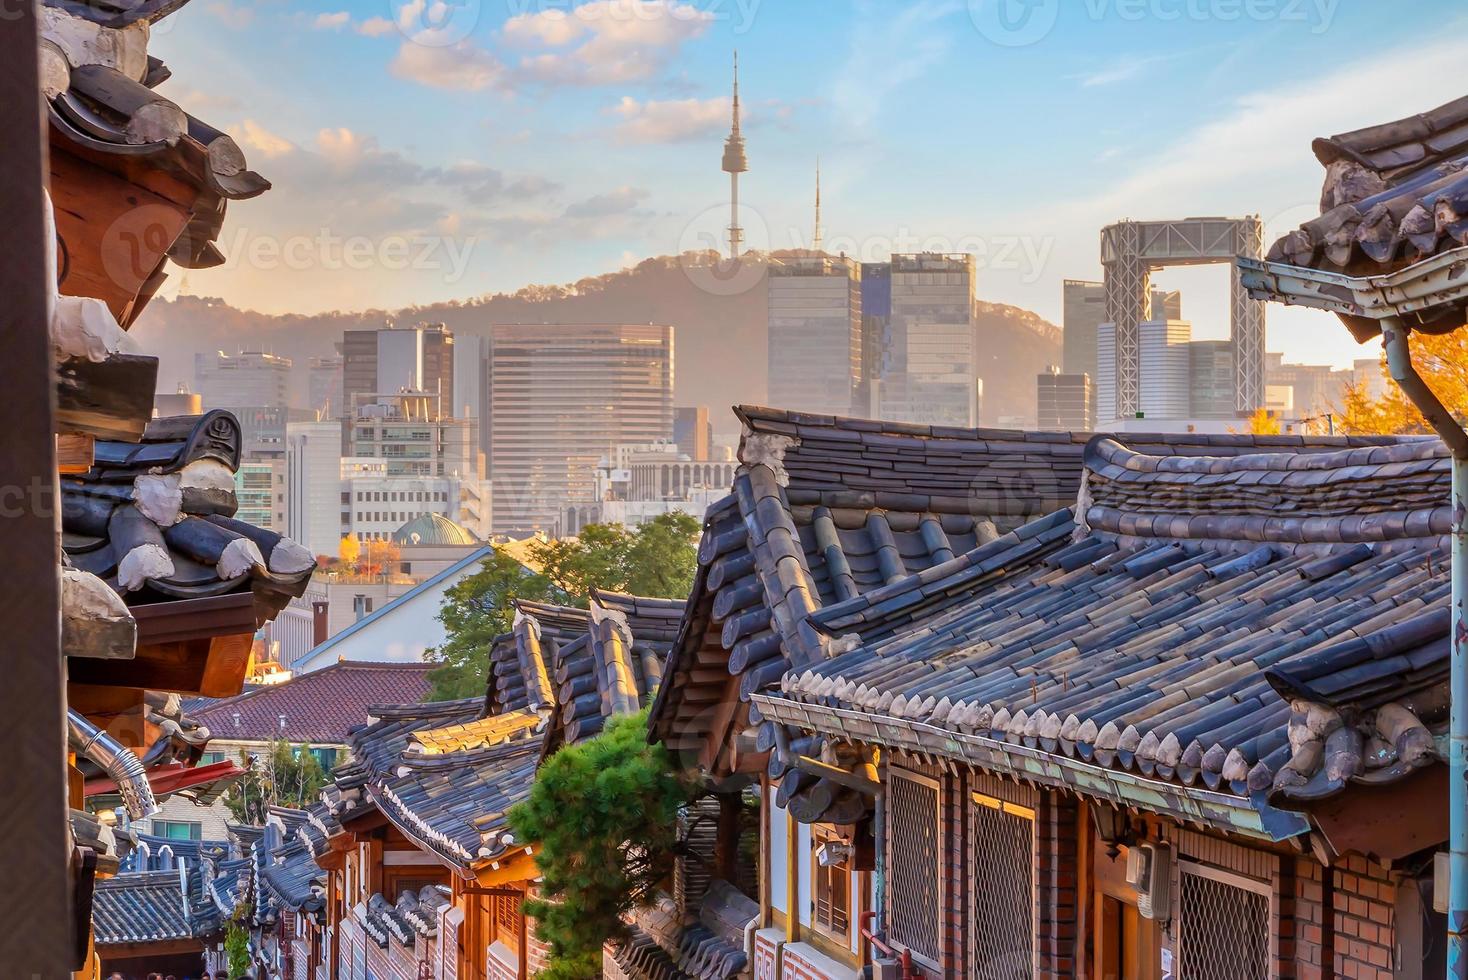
x=815, y=239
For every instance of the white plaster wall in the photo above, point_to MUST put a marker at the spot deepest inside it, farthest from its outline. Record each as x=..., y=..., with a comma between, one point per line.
x=777, y=876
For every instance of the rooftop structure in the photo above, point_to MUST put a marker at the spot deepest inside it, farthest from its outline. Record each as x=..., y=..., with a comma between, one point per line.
x=928, y=370
x=250, y=378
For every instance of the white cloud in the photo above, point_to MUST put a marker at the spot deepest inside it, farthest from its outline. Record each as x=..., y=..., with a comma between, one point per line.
x=605, y=41
x=1121, y=70
x=332, y=22
x=462, y=65
x=669, y=121
x=254, y=137
x=376, y=27
x=615, y=202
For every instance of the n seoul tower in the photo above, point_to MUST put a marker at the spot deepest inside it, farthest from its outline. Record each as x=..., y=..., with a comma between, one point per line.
x=735, y=163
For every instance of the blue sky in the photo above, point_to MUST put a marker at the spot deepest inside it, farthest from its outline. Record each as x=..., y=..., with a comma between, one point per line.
x=435, y=149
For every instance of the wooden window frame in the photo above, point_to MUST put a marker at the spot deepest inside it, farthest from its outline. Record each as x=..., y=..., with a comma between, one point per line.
x=822, y=834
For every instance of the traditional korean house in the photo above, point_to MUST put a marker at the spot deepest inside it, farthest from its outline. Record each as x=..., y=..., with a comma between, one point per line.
x=161, y=589
x=990, y=728
x=415, y=868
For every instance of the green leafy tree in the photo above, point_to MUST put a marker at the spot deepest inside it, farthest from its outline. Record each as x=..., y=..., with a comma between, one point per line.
x=476, y=610
x=657, y=558
x=284, y=776
x=237, y=943
x=603, y=816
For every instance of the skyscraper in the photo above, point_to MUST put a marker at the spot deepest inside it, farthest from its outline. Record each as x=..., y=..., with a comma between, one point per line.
x=1165, y=362
x=735, y=163
x=563, y=396
x=815, y=334
x=251, y=378
x=928, y=371
x=390, y=359
x=1063, y=401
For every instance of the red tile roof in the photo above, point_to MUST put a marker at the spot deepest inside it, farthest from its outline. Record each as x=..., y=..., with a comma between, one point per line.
x=319, y=707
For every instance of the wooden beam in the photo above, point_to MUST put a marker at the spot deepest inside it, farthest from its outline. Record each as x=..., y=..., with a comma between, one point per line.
x=227, y=665
x=521, y=867
x=38, y=939
x=118, y=711
x=111, y=399
x=74, y=452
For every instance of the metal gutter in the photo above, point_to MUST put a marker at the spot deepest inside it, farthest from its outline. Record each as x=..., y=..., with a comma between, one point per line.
x=1240, y=815
x=119, y=762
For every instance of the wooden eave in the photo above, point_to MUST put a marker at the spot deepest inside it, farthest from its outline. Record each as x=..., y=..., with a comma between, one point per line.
x=209, y=665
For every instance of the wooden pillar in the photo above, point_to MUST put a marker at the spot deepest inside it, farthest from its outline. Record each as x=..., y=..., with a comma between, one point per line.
x=793, y=857
x=726, y=845
x=39, y=939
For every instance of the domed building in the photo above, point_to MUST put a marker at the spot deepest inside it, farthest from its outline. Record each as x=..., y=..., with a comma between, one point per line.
x=433, y=530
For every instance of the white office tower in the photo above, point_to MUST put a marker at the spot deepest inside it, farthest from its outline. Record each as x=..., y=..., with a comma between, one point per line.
x=1105, y=389
x=313, y=513
x=1166, y=365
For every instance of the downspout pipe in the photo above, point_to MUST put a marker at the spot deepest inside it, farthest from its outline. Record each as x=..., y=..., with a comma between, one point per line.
x=117, y=760
x=1394, y=336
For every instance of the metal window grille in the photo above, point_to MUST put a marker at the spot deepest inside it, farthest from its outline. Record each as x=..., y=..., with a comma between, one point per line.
x=1001, y=889
x=1223, y=925
x=913, y=904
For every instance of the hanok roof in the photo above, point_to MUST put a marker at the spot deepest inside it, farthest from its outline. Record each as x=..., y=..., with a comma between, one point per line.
x=155, y=520
x=1207, y=625
x=826, y=510
x=583, y=666
x=149, y=907
x=321, y=707
x=1394, y=193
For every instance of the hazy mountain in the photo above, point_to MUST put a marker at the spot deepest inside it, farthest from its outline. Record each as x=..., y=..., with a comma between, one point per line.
x=719, y=326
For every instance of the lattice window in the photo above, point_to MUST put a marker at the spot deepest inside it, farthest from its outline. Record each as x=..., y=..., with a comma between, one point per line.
x=913, y=864
x=1001, y=889
x=830, y=888
x=1223, y=925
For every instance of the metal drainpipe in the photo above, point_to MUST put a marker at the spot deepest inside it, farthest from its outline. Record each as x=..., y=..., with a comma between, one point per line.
x=1394, y=335
x=119, y=762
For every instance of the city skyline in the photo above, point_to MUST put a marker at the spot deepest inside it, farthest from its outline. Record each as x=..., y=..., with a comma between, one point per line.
x=443, y=137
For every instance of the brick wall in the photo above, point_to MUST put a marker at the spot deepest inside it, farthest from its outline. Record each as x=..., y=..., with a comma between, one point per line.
x=1364, y=899
x=537, y=953
x=1056, y=882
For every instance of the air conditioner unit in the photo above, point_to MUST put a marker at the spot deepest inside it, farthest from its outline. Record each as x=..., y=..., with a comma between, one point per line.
x=1149, y=871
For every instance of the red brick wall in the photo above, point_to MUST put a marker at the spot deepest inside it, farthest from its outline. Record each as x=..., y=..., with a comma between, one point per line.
x=1056, y=880
x=1365, y=933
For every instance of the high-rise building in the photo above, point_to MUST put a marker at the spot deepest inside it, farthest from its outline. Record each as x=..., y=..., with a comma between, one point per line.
x=1212, y=377
x=1318, y=388
x=1165, y=365
x=376, y=502
x=693, y=431
x=248, y=378
x=562, y=397
x=1084, y=309
x=392, y=359
x=1367, y=372
x=1103, y=390
x=815, y=334
x=1063, y=402
x=408, y=433
x=259, y=487
x=315, y=510
x=876, y=321
x=928, y=372
x=324, y=385
x=471, y=384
